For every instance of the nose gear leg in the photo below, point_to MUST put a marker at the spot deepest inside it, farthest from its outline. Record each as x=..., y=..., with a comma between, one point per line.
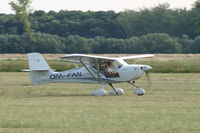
x=140, y=91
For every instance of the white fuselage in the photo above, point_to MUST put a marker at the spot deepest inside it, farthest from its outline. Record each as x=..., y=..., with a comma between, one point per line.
x=81, y=75
x=93, y=70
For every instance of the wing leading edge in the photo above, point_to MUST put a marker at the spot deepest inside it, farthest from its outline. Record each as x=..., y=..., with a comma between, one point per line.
x=136, y=56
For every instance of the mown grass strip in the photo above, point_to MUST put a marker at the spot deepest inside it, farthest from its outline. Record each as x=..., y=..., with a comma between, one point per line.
x=170, y=105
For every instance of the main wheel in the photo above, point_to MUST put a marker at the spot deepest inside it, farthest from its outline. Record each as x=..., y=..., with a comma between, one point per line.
x=139, y=92
x=99, y=92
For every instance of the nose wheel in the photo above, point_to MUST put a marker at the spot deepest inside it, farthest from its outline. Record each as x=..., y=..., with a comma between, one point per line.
x=139, y=91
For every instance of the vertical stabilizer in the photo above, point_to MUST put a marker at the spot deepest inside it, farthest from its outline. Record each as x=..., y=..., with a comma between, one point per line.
x=39, y=69
x=37, y=62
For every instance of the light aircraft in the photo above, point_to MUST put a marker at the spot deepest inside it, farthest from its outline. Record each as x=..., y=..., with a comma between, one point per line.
x=93, y=69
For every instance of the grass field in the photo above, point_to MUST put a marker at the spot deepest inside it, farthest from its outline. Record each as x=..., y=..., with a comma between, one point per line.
x=171, y=105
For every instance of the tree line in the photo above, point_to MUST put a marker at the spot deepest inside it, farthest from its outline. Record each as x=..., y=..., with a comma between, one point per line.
x=156, y=30
x=149, y=43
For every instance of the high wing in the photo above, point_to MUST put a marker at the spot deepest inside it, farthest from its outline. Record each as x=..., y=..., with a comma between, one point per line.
x=88, y=59
x=136, y=57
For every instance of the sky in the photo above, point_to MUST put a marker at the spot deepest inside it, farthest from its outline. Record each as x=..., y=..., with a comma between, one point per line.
x=97, y=5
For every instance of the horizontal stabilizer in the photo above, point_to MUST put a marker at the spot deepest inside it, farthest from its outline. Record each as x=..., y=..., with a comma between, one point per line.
x=25, y=70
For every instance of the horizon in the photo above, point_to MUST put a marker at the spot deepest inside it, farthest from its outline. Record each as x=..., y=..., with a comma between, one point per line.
x=103, y=5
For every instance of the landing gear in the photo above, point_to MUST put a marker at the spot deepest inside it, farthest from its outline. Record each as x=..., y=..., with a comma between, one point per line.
x=100, y=92
x=116, y=91
x=139, y=91
x=113, y=88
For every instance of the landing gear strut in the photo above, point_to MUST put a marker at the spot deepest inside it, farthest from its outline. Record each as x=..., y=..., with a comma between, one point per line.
x=139, y=91
x=113, y=88
x=116, y=91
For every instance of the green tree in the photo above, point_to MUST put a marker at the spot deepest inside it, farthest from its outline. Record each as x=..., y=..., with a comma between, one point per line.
x=77, y=44
x=195, y=48
x=134, y=46
x=160, y=43
x=197, y=7
x=48, y=43
x=22, y=10
x=186, y=44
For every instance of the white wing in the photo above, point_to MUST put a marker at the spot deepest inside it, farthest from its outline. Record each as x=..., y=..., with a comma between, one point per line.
x=88, y=59
x=136, y=56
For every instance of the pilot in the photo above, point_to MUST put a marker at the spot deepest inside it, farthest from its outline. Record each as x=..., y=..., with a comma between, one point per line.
x=108, y=69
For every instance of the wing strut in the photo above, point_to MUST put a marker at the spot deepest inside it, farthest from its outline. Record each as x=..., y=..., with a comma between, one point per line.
x=97, y=66
x=90, y=71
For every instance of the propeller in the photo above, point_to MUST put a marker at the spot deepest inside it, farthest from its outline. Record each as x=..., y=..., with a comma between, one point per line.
x=146, y=70
x=149, y=83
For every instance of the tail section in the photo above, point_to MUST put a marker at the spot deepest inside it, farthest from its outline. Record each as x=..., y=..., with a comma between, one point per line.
x=39, y=69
